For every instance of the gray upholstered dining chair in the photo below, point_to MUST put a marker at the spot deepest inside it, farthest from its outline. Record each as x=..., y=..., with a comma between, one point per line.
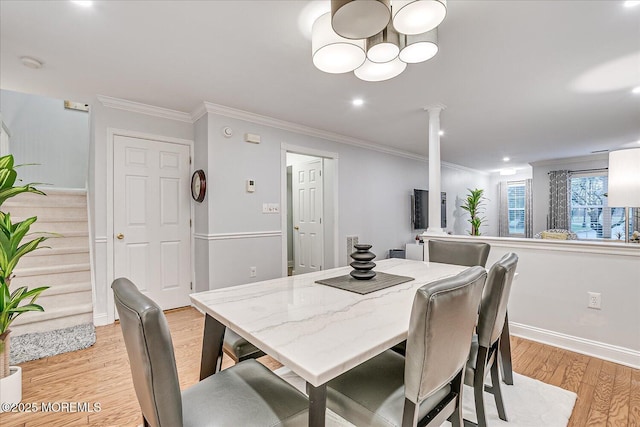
x=459, y=253
x=483, y=357
x=467, y=254
x=238, y=348
x=425, y=388
x=242, y=395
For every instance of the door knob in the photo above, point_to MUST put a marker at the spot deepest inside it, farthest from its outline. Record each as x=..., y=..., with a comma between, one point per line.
x=296, y=228
x=120, y=236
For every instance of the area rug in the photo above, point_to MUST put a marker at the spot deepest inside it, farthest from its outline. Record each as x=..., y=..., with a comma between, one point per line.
x=37, y=345
x=529, y=403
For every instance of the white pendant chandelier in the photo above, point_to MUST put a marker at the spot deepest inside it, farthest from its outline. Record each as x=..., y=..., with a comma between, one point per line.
x=376, y=38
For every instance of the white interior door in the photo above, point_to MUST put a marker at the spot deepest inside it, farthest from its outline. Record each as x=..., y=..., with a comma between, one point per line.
x=308, y=247
x=151, y=218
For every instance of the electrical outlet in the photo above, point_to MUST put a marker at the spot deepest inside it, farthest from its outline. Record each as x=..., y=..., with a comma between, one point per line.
x=270, y=208
x=595, y=300
x=252, y=272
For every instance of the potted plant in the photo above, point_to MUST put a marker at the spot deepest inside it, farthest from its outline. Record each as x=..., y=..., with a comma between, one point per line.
x=14, y=302
x=474, y=205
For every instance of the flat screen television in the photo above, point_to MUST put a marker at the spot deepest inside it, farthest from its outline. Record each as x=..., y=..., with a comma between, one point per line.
x=420, y=209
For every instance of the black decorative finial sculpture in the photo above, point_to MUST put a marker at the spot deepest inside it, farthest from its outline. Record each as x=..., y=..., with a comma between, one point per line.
x=362, y=265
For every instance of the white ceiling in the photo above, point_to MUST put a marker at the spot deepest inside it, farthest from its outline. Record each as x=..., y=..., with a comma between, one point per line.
x=531, y=80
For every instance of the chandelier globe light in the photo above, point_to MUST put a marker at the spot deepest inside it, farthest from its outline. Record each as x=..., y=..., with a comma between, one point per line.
x=418, y=16
x=359, y=19
x=384, y=46
x=418, y=48
x=377, y=72
x=332, y=53
x=375, y=38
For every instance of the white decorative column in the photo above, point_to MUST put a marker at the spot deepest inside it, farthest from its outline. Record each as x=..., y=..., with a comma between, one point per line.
x=435, y=216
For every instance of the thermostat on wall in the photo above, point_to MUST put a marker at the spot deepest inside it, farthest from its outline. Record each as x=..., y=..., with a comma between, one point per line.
x=250, y=137
x=251, y=186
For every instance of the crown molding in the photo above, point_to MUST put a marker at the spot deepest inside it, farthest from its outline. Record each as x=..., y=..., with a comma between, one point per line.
x=150, y=110
x=463, y=168
x=200, y=111
x=577, y=159
x=235, y=113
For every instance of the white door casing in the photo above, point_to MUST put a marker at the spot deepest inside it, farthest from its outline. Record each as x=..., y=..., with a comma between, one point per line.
x=151, y=218
x=308, y=246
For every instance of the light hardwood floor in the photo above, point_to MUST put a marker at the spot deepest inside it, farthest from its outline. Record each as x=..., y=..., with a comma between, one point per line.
x=608, y=394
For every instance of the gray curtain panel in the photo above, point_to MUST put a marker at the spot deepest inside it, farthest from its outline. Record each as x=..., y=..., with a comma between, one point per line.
x=503, y=209
x=559, y=199
x=528, y=208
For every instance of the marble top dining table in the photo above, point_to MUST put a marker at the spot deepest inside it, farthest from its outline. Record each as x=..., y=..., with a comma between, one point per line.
x=317, y=331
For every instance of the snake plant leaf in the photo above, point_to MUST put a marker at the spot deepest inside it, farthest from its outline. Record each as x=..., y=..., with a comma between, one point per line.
x=18, y=292
x=4, y=294
x=19, y=253
x=6, y=193
x=24, y=308
x=6, y=162
x=20, y=230
x=7, y=178
x=34, y=293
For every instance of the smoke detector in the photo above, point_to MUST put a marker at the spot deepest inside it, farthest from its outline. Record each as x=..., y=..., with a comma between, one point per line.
x=27, y=61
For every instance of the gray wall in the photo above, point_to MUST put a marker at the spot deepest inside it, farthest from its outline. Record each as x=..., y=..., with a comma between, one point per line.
x=45, y=133
x=373, y=201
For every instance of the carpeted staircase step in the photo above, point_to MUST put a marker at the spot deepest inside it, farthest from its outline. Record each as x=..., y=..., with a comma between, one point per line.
x=49, y=214
x=68, y=294
x=52, y=319
x=54, y=198
x=46, y=276
x=73, y=239
x=63, y=265
x=60, y=227
x=45, y=257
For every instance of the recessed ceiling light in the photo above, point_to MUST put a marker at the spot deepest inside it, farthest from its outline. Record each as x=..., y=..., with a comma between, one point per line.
x=636, y=90
x=357, y=102
x=505, y=159
x=27, y=61
x=83, y=3
x=441, y=132
x=631, y=3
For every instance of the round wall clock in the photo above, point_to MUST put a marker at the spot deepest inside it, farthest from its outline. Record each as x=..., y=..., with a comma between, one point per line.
x=198, y=185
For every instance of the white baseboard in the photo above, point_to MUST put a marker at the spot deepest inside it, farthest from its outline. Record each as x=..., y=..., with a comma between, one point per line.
x=612, y=353
x=101, y=320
